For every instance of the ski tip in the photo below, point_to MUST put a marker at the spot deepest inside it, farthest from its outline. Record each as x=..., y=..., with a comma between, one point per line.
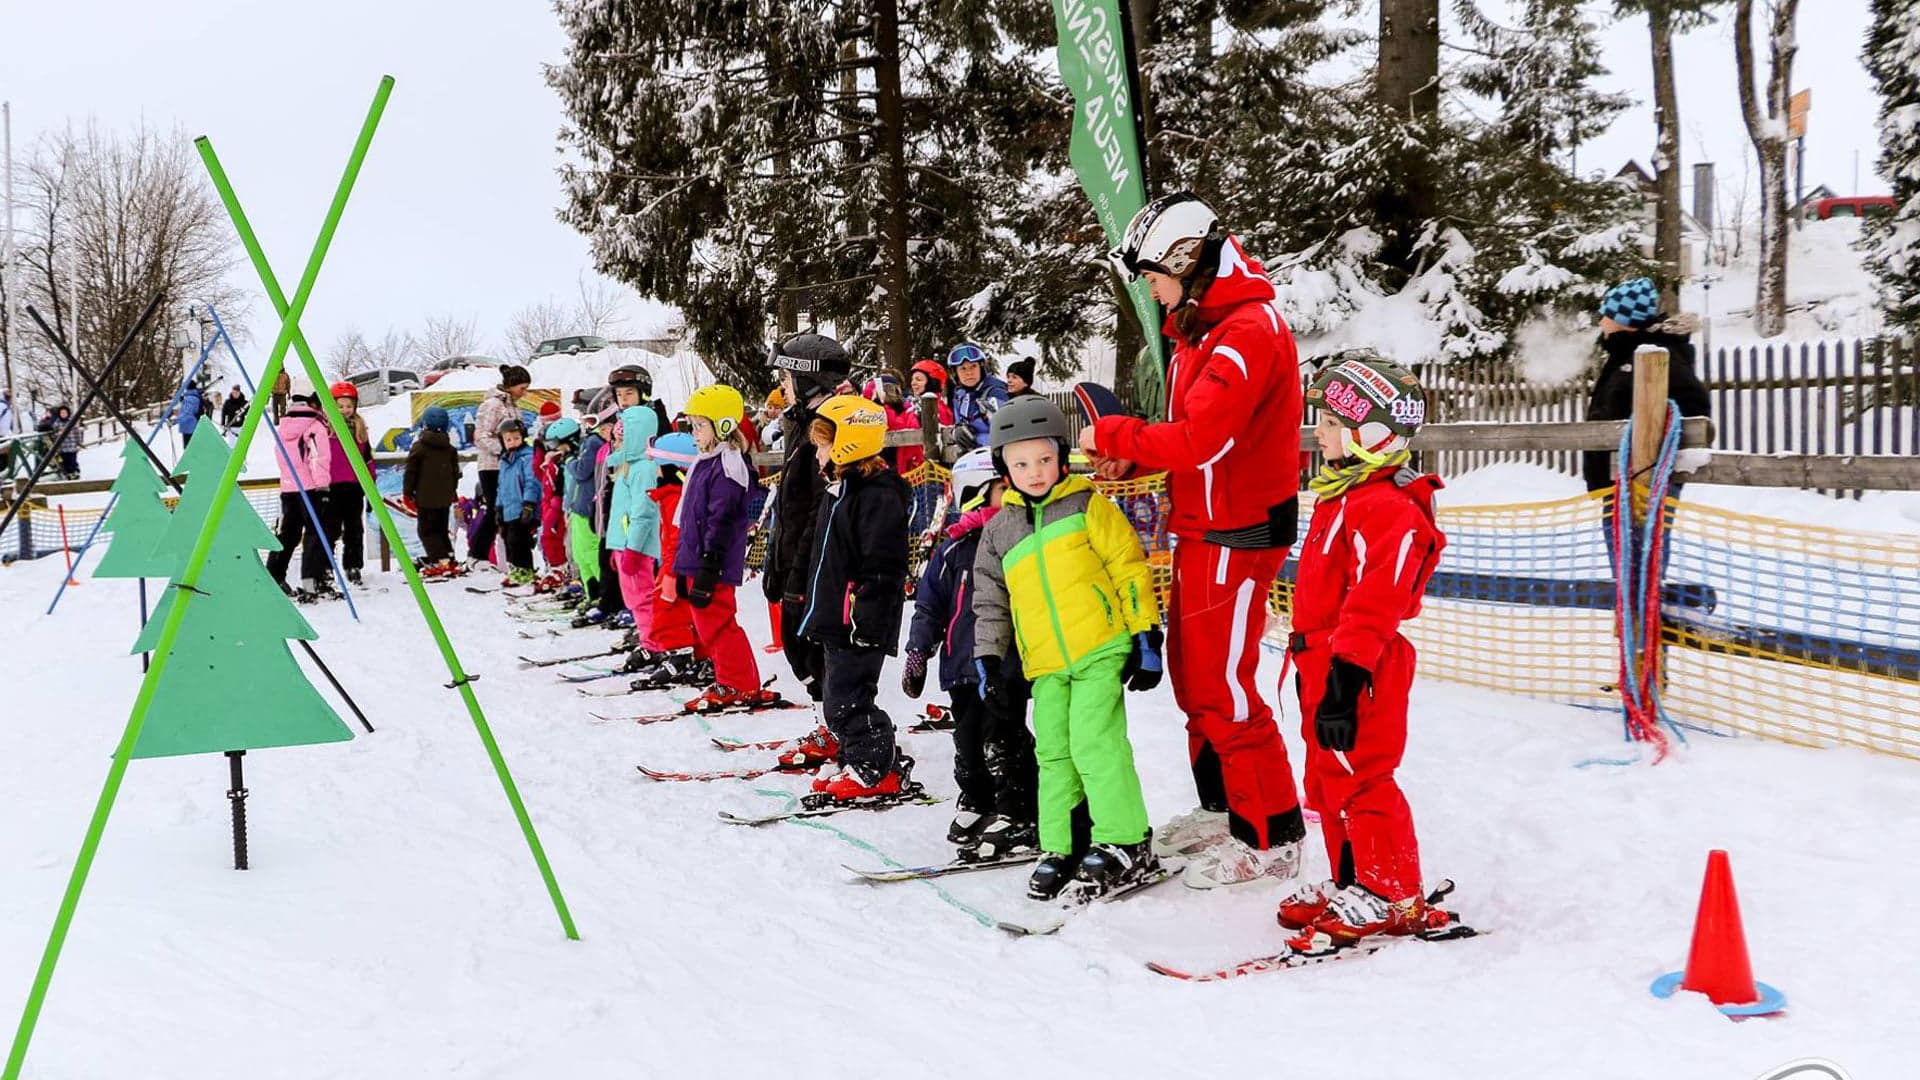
x=1172, y=973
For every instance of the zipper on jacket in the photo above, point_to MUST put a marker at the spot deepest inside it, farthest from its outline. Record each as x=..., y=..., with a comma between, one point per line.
x=1036, y=518
x=819, y=560
x=1105, y=604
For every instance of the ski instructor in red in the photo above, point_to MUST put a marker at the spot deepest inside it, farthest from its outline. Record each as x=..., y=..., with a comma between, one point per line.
x=1231, y=448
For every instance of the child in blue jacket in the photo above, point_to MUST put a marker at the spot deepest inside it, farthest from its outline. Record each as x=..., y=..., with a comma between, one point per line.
x=993, y=761
x=519, y=500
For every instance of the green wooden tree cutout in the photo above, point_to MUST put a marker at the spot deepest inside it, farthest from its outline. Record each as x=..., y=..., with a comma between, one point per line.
x=137, y=521
x=233, y=567
x=230, y=683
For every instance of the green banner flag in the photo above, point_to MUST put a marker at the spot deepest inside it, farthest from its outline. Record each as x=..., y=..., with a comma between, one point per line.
x=1106, y=151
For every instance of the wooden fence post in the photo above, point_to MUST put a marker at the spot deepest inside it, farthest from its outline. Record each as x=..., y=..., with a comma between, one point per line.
x=930, y=427
x=1650, y=372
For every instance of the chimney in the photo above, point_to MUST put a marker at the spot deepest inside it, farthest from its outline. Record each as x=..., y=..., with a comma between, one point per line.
x=1703, y=195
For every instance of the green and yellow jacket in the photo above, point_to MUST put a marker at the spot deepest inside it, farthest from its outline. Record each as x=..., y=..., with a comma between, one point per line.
x=1064, y=577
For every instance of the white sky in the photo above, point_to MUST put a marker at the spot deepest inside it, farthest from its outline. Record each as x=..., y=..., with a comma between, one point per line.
x=453, y=213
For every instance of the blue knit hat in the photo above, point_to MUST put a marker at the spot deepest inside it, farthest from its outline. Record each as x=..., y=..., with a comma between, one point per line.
x=1633, y=303
x=435, y=418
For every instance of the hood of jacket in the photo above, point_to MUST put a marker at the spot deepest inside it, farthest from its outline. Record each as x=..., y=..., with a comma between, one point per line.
x=976, y=518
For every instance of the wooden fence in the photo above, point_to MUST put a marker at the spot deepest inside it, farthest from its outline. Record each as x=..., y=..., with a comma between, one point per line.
x=1826, y=397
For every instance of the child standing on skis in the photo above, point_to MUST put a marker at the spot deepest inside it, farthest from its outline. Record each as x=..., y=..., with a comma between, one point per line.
x=1060, y=570
x=711, y=560
x=518, y=504
x=855, y=594
x=992, y=751
x=583, y=540
x=672, y=655
x=633, y=522
x=430, y=486
x=1364, y=565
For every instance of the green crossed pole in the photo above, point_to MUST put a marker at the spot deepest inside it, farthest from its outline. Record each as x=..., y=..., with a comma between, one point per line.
x=290, y=313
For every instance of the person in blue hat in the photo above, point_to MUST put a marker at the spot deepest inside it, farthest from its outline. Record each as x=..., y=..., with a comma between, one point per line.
x=1630, y=317
x=429, y=489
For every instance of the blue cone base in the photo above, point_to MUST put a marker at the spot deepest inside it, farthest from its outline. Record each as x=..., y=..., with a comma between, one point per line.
x=1771, y=1000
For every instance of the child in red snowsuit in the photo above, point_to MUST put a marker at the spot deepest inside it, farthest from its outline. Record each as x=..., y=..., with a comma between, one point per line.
x=1364, y=565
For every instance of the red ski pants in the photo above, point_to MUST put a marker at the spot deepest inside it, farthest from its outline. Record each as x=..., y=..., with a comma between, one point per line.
x=733, y=663
x=1215, y=622
x=1363, y=814
x=672, y=618
x=553, y=532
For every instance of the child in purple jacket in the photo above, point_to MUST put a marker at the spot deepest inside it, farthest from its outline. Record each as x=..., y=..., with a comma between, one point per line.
x=711, y=560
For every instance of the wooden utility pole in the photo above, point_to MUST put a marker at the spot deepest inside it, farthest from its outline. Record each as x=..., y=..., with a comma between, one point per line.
x=895, y=272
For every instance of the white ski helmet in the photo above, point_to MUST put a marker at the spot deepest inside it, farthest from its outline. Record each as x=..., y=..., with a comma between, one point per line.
x=1177, y=235
x=971, y=476
x=300, y=388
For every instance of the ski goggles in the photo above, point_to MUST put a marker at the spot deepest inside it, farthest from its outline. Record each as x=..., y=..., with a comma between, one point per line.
x=967, y=353
x=778, y=358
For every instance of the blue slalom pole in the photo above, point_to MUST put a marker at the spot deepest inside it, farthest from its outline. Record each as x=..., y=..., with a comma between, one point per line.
x=178, y=393
x=220, y=334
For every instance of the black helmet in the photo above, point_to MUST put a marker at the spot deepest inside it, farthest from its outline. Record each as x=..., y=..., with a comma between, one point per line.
x=819, y=364
x=511, y=424
x=631, y=375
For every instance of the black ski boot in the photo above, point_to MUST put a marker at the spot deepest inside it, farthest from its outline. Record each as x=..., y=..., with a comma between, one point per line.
x=641, y=659
x=999, y=838
x=967, y=824
x=353, y=578
x=592, y=617
x=1050, y=875
x=698, y=673
x=1106, y=867
x=667, y=671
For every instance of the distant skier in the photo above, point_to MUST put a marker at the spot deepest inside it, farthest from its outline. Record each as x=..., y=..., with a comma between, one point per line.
x=430, y=487
x=518, y=500
x=307, y=466
x=633, y=522
x=188, y=412
x=1364, y=566
x=233, y=409
x=976, y=393
x=673, y=655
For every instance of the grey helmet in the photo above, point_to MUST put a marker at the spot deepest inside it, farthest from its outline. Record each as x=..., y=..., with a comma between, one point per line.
x=1027, y=418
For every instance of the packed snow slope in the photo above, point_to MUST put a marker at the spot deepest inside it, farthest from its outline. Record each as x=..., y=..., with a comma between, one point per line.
x=393, y=924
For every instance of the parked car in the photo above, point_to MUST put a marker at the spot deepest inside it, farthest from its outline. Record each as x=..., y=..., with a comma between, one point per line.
x=578, y=343
x=439, y=368
x=380, y=384
x=1855, y=206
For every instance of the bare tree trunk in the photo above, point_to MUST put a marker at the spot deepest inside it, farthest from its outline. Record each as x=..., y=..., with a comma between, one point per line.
x=1406, y=82
x=894, y=269
x=1666, y=157
x=1769, y=136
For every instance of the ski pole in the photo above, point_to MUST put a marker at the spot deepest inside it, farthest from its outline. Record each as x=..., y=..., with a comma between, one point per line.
x=119, y=354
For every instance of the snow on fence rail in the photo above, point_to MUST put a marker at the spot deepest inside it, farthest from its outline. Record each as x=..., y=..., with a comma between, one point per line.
x=1855, y=396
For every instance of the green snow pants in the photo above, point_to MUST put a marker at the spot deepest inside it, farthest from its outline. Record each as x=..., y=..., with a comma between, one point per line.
x=584, y=544
x=1080, y=742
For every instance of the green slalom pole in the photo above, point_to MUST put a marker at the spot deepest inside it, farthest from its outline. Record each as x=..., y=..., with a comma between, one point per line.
x=189, y=578
x=461, y=680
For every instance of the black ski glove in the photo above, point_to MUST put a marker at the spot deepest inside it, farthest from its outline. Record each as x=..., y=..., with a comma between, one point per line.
x=988, y=668
x=1143, y=668
x=531, y=511
x=1337, y=722
x=913, y=673
x=700, y=590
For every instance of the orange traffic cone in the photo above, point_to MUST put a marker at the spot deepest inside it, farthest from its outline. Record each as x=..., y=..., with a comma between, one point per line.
x=1717, y=963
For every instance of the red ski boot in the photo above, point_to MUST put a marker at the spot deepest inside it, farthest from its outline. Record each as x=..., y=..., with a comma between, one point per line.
x=810, y=751
x=850, y=786
x=1355, y=913
x=726, y=699
x=1301, y=907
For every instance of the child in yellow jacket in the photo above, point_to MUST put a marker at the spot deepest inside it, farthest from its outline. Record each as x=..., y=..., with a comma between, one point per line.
x=1060, y=573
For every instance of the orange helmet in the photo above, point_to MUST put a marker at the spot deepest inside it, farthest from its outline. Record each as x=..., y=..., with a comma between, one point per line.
x=344, y=389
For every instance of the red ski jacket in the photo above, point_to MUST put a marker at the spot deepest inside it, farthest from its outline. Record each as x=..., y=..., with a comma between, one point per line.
x=1363, y=567
x=1231, y=440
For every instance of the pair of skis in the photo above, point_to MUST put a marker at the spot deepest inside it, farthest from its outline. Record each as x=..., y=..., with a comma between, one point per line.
x=1288, y=959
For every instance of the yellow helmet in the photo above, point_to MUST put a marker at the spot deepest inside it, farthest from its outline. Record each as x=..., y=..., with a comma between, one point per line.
x=721, y=404
x=859, y=427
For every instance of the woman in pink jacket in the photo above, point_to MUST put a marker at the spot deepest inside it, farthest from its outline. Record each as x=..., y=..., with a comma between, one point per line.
x=307, y=465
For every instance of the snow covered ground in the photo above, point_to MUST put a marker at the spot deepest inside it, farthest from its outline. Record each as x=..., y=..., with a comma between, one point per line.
x=394, y=925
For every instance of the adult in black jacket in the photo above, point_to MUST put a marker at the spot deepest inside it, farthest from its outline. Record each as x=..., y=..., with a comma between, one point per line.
x=1630, y=318
x=812, y=367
